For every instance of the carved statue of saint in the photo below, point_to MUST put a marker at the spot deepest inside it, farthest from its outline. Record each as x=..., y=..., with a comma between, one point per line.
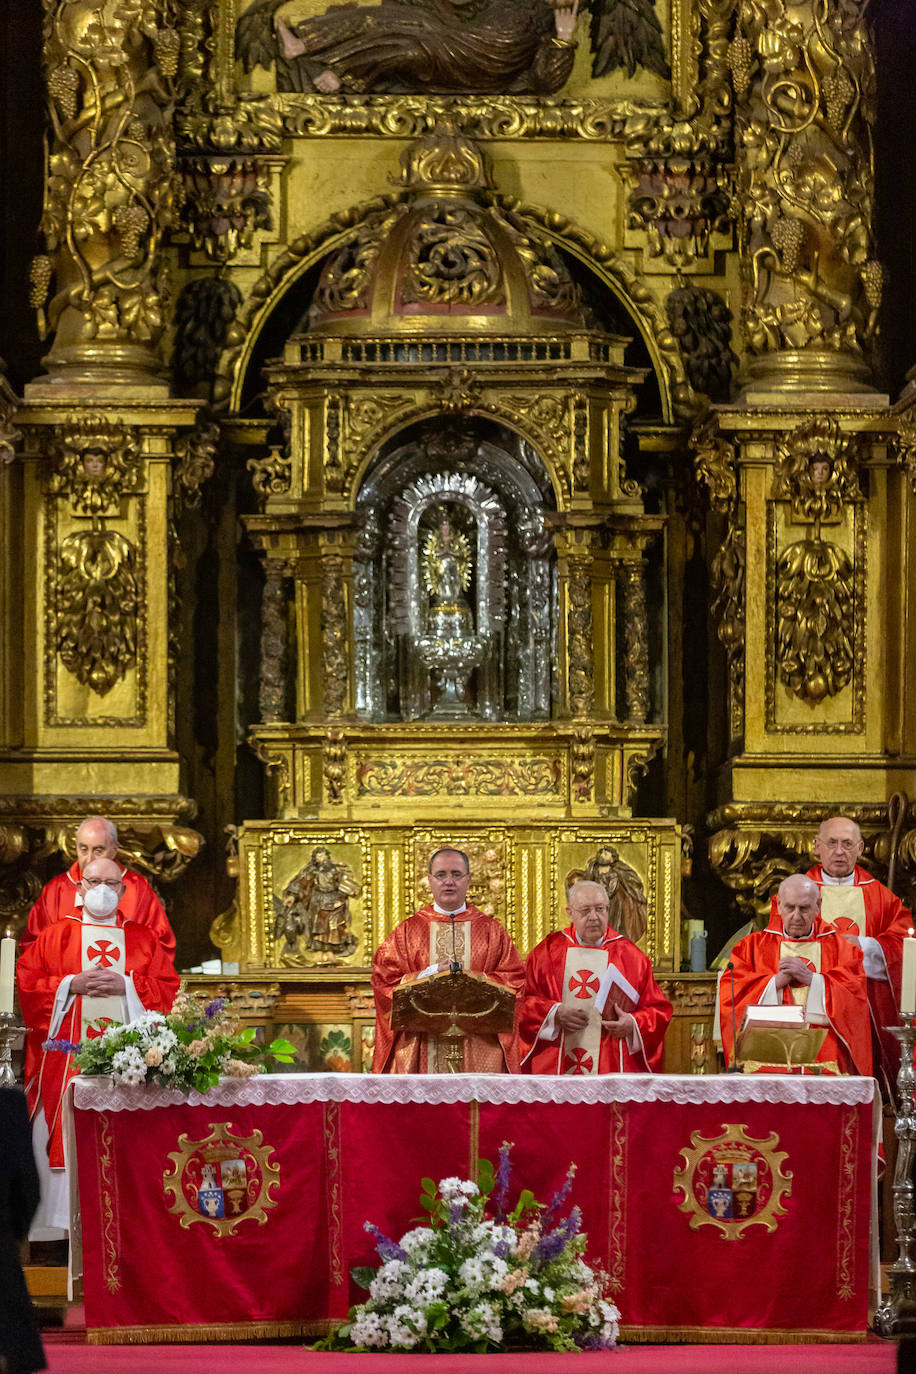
x=313, y=913
x=484, y=46
x=446, y=566
x=628, y=909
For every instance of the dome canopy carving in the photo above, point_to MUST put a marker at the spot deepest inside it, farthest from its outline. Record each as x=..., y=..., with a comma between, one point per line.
x=446, y=259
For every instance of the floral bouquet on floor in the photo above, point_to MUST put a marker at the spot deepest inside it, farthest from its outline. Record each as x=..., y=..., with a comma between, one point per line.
x=192, y=1047
x=477, y=1282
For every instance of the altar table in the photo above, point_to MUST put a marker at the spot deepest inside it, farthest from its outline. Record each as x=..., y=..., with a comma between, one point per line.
x=722, y=1208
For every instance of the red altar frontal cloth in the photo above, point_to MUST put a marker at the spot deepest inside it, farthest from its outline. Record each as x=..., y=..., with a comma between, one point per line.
x=716, y=1205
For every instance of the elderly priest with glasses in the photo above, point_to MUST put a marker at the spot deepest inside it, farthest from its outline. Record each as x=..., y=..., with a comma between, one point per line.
x=800, y=960
x=82, y=972
x=591, y=1002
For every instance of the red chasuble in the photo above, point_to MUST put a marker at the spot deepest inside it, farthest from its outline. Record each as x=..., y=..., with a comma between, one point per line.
x=138, y=903
x=837, y=962
x=482, y=946
x=867, y=907
x=58, y=951
x=561, y=971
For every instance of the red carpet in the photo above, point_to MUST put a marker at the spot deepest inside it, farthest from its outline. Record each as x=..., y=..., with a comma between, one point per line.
x=871, y=1358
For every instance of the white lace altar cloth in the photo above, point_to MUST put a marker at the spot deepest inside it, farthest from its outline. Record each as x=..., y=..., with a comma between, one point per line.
x=102, y=1095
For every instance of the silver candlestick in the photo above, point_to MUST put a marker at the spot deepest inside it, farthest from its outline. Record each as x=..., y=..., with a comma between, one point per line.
x=897, y=1316
x=11, y=1029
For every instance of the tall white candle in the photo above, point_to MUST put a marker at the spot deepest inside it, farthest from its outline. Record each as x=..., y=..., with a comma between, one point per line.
x=908, y=978
x=8, y=973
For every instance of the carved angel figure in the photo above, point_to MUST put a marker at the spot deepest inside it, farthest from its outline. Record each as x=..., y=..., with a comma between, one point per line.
x=498, y=47
x=628, y=909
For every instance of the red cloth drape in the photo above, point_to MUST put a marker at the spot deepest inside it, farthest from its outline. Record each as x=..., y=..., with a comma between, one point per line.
x=803, y=1269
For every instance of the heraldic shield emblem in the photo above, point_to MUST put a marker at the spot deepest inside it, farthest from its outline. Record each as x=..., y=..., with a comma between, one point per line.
x=733, y=1181
x=222, y=1180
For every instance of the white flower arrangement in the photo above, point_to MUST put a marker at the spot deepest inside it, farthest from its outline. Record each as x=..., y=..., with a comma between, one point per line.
x=191, y=1047
x=469, y=1281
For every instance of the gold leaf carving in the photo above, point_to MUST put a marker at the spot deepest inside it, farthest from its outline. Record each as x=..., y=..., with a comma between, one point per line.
x=97, y=598
x=465, y=777
x=815, y=609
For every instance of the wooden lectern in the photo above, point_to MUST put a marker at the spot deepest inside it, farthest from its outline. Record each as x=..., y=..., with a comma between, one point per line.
x=452, y=1005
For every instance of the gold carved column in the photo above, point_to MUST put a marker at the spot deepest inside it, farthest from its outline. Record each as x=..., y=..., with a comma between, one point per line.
x=804, y=87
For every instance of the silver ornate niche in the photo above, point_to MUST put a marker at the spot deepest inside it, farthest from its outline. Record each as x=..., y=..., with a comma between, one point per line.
x=455, y=589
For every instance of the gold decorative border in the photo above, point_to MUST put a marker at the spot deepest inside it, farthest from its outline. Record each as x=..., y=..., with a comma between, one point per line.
x=846, y=1205
x=330, y=1119
x=855, y=726
x=618, y=1142
x=473, y=1137
x=199, y=1335
x=737, y=1335
x=109, y=1208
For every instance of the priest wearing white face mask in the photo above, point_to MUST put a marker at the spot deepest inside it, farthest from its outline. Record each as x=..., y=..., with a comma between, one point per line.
x=82, y=972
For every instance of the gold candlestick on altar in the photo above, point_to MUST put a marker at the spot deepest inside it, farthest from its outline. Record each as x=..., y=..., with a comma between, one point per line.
x=453, y=1005
x=897, y=1316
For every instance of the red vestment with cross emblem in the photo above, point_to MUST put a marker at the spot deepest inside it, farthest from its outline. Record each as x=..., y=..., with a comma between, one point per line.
x=560, y=970
x=59, y=951
x=756, y=963
x=138, y=903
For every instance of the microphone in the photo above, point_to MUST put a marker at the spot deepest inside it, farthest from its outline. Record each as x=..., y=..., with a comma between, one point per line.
x=454, y=966
x=734, y=1066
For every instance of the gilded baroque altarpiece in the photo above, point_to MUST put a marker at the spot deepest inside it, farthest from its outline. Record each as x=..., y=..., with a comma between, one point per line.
x=499, y=380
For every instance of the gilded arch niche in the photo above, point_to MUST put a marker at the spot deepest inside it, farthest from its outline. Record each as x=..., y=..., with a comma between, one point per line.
x=455, y=601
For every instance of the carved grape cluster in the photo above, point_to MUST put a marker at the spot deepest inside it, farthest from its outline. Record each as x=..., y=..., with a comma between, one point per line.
x=838, y=92
x=873, y=282
x=167, y=46
x=739, y=60
x=787, y=235
x=63, y=85
x=39, y=280
x=130, y=222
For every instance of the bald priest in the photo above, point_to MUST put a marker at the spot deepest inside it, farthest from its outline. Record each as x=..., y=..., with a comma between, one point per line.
x=97, y=838
x=799, y=959
x=591, y=1003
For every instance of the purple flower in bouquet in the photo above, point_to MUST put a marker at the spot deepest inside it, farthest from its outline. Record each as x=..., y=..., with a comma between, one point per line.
x=501, y=1191
x=65, y=1046
x=214, y=1008
x=559, y=1197
x=387, y=1248
x=552, y=1243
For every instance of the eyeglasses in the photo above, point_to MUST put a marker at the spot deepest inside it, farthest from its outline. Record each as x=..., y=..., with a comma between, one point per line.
x=599, y=909
x=103, y=882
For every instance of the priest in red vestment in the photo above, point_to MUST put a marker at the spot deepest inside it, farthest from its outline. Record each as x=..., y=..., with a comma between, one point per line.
x=424, y=945
x=800, y=959
x=869, y=915
x=572, y=974
x=97, y=838
x=81, y=972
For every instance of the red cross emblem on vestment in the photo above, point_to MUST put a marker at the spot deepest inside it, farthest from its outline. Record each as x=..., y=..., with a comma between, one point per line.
x=105, y=952
x=579, y=1062
x=97, y=1028
x=584, y=983
x=844, y=923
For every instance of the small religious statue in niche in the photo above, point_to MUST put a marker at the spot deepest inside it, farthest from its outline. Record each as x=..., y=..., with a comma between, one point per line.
x=449, y=646
x=495, y=47
x=628, y=909
x=312, y=915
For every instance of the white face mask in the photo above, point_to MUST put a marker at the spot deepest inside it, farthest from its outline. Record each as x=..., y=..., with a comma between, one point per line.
x=101, y=901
